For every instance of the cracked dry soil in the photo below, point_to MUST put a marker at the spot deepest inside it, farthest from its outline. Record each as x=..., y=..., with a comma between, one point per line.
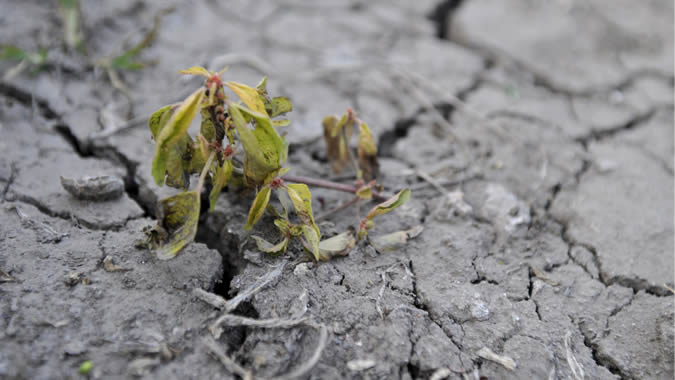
x=547, y=125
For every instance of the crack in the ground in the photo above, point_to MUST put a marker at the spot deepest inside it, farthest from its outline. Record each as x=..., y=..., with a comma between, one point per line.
x=441, y=16
x=600, y=135
x=84, y=149
x=600, y=359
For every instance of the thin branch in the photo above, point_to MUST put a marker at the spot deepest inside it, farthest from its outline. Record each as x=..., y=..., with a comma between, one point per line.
x=331, y=185
x=339, y=208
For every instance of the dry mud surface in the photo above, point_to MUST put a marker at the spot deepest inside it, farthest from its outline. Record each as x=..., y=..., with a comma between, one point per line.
x=547, y=249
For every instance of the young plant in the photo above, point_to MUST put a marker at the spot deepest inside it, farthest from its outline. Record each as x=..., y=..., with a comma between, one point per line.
x=239, y=145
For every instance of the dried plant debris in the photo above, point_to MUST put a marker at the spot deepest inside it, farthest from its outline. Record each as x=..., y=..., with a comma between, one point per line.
x=94, y=188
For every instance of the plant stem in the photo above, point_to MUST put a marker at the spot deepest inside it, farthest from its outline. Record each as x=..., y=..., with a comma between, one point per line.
x=205, y=170
x=330, y=185
x=339, y=208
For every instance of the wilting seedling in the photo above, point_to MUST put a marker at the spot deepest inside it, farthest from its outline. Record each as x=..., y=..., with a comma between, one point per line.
x=238, y=144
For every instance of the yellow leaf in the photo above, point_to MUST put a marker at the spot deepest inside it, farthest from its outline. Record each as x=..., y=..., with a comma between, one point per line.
x=220, y=179
x=302, y=201
x=177, y=218
x=389, y=204
x=196, y=70
x=173, y=131
x=267, y=247
x=367, y=151
x=249, y=96
x=338, y=245
x=258, y=208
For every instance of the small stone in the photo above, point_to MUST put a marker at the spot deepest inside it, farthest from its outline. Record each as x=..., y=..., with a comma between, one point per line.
x=480, y=311
x=99, y=188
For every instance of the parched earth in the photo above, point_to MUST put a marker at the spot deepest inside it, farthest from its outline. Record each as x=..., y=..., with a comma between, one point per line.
x=537, y=138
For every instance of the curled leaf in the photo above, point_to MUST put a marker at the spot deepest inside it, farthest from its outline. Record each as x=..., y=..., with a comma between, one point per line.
x=365, y=192
x=311, y=239
x=394, y=240
x=158, y=119
x=258, y=207
x=267, y=247
x=302, y=202
x=279, y=106
x=336, y=143
x=249, y=96
x=196, y=70
x=338, y=245
x=367, y=151
x=173, y=131
x=177, y=220
x=390, y=204
x=263, y=146
x=220, y=179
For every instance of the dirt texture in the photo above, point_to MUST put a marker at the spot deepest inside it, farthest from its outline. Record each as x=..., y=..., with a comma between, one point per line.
x=537, y=138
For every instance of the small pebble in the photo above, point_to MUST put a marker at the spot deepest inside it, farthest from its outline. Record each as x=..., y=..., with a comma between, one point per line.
x=99, y=188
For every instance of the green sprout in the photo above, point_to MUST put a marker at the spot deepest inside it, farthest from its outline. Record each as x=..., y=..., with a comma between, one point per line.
x=239, y=145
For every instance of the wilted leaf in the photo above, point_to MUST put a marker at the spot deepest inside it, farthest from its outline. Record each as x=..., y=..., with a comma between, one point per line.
x=173, y=131
x=283, y=227
x=311, y=240
x=249, y=96
x=279, y=106
x=223, y=174
x=367, y=151
x=394, y=240
x=365, y=192
x=177, y=219
x=302, y=202
x=270, y=248
x=207, y=129
x=338, y=245
x=158, y=119
x=196, y=70
x=336, y=146
x=389, y=204
x=178, y=163
x=258, y=207
x=263, y=146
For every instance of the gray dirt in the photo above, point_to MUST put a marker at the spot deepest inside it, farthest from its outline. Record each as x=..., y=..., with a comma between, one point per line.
x=548, y=125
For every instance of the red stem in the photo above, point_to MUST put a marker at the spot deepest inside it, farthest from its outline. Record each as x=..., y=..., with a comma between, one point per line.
x=330, y=185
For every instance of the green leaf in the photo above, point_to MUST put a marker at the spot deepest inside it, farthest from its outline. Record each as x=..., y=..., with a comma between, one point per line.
x=264, y=148
x=338, y=245
x=223, y=174
x=207, y=129
x=158, y=119
x=196, y=70
x=365, y=192
x=258, y=207
x=279, y=106
x=262, y=86
x=173, y=131
x=389, y=204
x=267, y=247
x=249, y=96
x=11, y=53
x=283, y=227
x=281, y=123
x=177, y=217
x=86, y=367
